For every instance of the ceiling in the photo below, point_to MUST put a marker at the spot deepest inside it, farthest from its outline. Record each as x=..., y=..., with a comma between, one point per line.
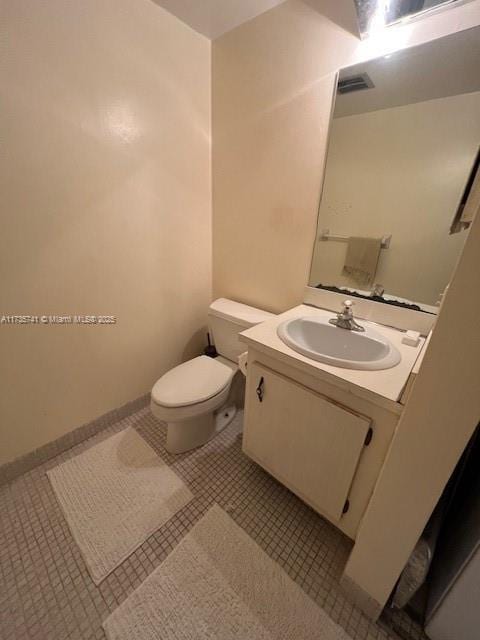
x=440, y=68
x=213, y=18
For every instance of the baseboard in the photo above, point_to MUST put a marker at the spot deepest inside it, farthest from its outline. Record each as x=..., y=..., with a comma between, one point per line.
x=12, y=470
x=357, y=596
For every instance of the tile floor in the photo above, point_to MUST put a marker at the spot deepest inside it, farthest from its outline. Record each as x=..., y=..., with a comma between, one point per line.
x=47, y=593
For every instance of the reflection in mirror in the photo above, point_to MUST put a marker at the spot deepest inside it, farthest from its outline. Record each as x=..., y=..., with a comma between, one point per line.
x=403, y=142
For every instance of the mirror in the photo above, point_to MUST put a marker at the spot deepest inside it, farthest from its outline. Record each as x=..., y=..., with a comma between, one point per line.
x=403, y=142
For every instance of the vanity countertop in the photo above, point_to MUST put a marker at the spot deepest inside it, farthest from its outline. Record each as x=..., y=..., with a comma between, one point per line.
x=386, y=383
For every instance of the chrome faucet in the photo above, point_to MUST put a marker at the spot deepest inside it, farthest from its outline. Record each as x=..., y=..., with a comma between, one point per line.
x=345, y=319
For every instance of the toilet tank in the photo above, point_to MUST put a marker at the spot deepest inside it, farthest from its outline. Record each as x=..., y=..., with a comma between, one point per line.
x=226, y=320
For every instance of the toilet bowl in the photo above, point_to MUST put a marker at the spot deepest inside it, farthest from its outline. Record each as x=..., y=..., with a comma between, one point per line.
x=189, y=397
x=193, y=398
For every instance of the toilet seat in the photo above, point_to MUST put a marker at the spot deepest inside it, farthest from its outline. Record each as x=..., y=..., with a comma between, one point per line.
x=193, y=382
x=189, y=411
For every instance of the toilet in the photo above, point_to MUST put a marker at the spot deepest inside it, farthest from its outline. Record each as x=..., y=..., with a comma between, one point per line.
x=193, y=397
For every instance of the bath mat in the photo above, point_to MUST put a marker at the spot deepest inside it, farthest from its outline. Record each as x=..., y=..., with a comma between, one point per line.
x=114, y=496
x=218, y=584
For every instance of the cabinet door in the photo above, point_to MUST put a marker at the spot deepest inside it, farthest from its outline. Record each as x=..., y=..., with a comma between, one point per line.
x=311, y=444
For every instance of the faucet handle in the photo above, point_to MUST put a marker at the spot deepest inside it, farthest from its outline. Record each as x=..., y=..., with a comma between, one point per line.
x=347, y=309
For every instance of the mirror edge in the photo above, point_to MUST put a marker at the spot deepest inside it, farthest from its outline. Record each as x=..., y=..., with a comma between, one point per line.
x=335, y=76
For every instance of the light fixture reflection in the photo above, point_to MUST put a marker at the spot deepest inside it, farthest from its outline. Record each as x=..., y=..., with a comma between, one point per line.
x=375, y=15
x=378, y=20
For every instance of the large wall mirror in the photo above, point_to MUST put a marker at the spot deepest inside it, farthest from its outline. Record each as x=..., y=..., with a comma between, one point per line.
x=403, y=149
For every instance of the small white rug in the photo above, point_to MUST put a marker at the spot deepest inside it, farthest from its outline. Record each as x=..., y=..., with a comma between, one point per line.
x=217, y=584
x=114, y=496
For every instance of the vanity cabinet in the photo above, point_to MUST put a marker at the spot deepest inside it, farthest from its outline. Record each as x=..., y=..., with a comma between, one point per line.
x=311, y=444
x=319, y=440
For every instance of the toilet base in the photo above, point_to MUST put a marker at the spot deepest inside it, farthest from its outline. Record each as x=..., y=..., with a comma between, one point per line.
x=189, y=434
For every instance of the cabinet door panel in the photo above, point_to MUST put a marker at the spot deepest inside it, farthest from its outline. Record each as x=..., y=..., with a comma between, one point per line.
x=308, y=442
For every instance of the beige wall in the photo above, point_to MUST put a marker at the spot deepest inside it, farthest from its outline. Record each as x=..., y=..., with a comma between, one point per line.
x=272, y=88
x=105, y=208
x=399, y=171
x=440, y=417
x=271, y=108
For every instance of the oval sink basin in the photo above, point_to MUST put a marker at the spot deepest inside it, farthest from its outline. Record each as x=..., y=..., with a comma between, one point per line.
x=314, y=337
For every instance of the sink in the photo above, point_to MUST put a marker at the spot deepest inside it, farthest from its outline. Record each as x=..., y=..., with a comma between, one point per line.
x=314, y=337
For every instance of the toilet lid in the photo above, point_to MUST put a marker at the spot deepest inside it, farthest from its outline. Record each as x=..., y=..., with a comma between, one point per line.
x=191, y=382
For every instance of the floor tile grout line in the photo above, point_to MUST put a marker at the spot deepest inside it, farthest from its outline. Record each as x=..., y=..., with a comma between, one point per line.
x=306, y=546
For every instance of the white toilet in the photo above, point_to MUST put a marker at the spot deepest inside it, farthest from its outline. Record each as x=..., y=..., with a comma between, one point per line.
x=192, y=398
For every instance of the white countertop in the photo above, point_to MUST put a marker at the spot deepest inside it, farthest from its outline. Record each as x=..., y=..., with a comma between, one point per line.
x=386, y=383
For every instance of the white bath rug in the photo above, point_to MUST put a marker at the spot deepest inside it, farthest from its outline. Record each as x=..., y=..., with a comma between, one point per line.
x=218, y=584
x=114, y=496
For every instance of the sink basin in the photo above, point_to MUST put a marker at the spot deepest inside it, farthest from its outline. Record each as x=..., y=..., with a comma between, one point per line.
x=314, y=337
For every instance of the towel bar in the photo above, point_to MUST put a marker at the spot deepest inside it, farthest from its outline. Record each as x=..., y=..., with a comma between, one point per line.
x=326, y=235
